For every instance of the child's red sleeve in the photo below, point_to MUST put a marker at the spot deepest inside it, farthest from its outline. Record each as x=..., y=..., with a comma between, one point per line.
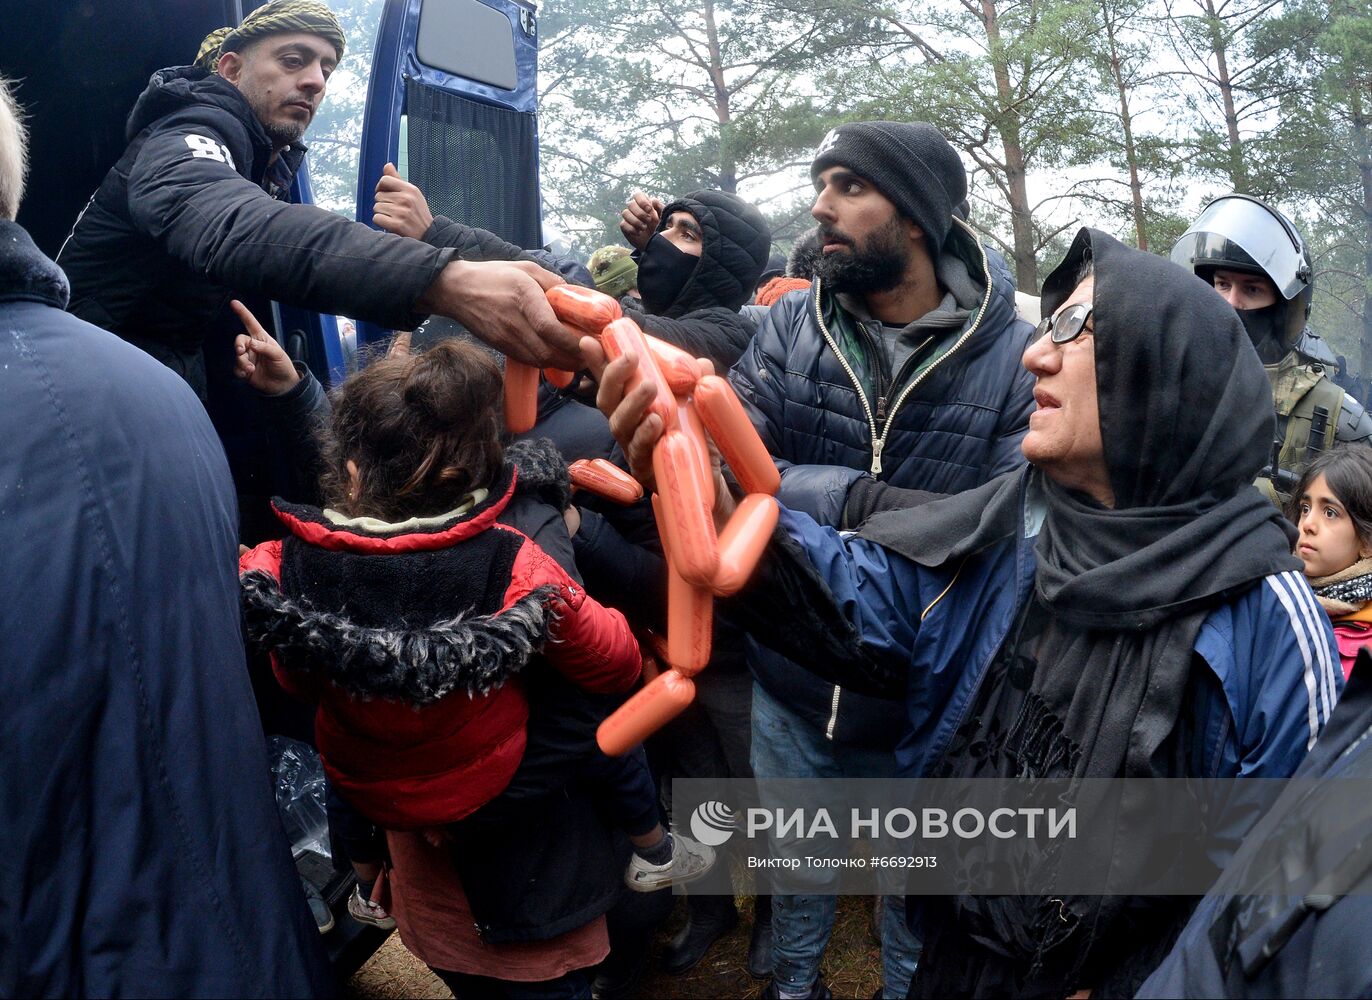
x=588, y=643
x=266, y=558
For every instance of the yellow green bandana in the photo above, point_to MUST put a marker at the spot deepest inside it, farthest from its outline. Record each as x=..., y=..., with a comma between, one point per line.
x=277, y=18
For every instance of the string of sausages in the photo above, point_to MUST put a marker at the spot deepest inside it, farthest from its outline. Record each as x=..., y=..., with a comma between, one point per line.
x=700, y=564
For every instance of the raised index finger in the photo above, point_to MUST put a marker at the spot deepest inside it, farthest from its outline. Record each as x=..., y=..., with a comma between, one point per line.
x=250, y=323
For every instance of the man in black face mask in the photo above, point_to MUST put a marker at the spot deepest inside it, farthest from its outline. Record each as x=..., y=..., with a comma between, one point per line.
x=699, y=259
x=1255, y=258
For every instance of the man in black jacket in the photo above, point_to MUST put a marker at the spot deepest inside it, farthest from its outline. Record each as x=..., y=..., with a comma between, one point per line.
x=195, y=211
x=700, y=257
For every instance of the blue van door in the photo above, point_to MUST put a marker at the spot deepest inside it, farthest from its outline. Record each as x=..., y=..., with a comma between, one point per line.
x=451, y=102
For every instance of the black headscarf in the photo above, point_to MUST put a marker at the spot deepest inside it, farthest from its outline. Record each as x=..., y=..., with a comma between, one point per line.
x=1092, y=683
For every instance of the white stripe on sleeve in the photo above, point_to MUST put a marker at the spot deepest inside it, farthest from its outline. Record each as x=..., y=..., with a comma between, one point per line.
x=1314, y=619
x=1303, y=641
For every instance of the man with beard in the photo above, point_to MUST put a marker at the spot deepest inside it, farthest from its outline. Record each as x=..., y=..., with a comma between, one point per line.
x=195, y=212
x=899, y=366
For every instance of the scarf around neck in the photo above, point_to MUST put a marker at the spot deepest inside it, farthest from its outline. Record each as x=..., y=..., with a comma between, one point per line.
x=1092, y=682
x=1343, y=593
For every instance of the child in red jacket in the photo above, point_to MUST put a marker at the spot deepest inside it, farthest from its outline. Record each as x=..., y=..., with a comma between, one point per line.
x=417, y=605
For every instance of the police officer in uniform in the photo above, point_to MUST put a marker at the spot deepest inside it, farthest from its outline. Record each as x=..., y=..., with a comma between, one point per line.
x=1257, y=260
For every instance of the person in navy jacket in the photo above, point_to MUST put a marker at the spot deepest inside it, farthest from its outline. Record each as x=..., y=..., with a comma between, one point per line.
x=146, y=852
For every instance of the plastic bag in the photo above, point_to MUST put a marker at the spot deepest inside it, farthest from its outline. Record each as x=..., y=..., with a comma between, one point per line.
x=298, y=777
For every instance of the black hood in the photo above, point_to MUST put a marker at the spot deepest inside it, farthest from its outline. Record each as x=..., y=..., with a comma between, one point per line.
x=1186, y=422
x=736, y=242
x=177, y=87
x=1185, y=405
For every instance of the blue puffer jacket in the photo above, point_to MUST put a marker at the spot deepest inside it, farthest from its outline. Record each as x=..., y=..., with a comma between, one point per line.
x=1269, y=682
x=955, y=426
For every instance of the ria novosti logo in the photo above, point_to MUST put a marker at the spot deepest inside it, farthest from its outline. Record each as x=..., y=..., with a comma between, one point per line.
x=713, y=823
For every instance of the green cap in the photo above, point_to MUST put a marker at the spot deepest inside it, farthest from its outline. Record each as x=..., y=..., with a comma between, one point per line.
x=613, y=270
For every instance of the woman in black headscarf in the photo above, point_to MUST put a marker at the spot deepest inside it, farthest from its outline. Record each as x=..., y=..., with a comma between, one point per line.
x=1124, y=606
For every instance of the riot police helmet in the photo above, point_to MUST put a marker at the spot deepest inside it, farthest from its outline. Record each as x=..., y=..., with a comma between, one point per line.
x=1240, y=233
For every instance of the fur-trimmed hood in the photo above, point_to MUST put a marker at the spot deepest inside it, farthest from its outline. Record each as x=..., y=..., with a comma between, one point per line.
x=416, y=665
x=414, y=614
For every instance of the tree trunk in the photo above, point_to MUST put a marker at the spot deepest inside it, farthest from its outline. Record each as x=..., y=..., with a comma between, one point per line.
x=728, y=159
x=1363, y=146
x=1007, y=125
x=1127, y=121
x=1238, y=171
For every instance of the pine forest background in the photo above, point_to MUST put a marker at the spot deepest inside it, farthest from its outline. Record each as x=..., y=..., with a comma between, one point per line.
x=1127, y=115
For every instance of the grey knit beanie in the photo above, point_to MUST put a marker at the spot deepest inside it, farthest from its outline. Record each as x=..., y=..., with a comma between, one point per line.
x=911, y=163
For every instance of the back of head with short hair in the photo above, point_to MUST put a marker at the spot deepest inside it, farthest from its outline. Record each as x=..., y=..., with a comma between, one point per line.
x=14, y=157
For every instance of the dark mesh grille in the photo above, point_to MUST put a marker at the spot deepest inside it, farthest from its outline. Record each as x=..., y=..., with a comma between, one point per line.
x=475, y=163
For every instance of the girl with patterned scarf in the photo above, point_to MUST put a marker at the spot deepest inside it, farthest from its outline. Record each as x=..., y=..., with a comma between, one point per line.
x=1332, y=507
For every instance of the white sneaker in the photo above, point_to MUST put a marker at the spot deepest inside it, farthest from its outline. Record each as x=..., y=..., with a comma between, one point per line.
x=690, y=860
x=366, y=912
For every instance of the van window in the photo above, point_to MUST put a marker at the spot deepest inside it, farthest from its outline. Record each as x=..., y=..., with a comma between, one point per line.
x=474, y=162
x=467, y=38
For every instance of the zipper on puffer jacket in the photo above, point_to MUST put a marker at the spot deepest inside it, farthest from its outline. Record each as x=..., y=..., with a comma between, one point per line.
x=879, y=435
x=833, y=714
x=852, y=375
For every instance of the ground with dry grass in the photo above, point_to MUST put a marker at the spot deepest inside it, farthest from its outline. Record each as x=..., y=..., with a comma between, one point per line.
x=852, y=965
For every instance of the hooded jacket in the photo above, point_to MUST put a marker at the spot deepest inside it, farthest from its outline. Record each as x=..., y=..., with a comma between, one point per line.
x=830, y=412
x=136, y=789
x=704, y=318
x=617, y=548
x=195, y=211
x=412, y=642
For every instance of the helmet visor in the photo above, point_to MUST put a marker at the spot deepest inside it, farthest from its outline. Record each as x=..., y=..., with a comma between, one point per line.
x=1241, y=224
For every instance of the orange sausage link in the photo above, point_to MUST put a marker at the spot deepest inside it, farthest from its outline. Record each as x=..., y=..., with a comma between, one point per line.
x=584, y=308
x=664, y=527
x=690, y=624
x=735, y=436
x=605, y=479
x=686, y=497
x=658, y=703
x=681, y=371
x=742, y=541
x=690, y=611
x=623, y=336
x=689, y=423
x=558, y=377
x=521, y=396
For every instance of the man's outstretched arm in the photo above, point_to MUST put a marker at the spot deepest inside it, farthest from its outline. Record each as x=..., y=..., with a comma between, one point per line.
x=220, y=224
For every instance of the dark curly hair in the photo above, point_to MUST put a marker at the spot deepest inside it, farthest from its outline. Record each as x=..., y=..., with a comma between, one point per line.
x=1348, y=471
x=424, y=430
